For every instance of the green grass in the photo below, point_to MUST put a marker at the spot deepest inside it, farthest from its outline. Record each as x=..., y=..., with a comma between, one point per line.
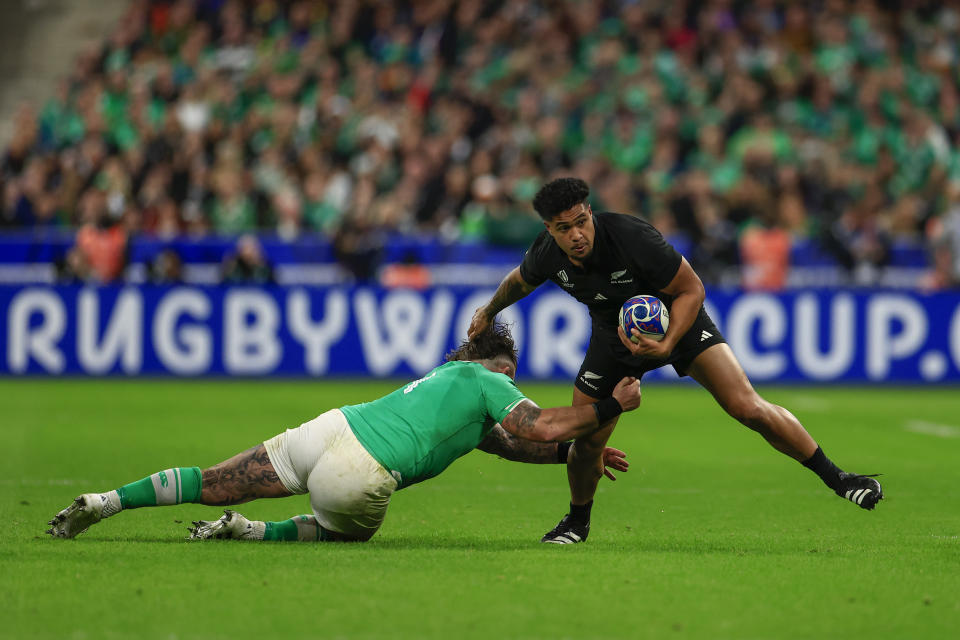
x=711, y=534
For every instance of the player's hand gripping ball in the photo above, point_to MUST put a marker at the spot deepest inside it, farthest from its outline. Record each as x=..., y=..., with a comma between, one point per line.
x=646, y=314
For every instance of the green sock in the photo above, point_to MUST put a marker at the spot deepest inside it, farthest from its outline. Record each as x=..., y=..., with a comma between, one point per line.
x=286, y=531
x=172, y=486
x=298, y=528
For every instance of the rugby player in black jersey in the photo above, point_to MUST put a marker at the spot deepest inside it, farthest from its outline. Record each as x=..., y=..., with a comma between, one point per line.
x=601, y=259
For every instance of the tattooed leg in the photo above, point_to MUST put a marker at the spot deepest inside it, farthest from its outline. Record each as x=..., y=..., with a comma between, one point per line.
x=244, y=477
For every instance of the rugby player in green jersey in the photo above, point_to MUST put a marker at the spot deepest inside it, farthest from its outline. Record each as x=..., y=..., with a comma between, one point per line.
x=351, y=460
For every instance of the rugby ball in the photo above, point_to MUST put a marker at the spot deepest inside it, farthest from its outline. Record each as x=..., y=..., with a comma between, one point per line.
x=646, y=314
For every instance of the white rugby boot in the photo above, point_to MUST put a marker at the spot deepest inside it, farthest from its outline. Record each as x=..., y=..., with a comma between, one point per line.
x=83, y=512
x=231, y=526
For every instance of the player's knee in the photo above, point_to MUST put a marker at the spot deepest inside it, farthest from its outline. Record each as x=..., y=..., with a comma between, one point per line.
x=591, y=472
x=750, y=410
x=594, y=443
x=586, y=452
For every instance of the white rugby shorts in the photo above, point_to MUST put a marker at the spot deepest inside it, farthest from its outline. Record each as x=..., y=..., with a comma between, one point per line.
x=349, y=490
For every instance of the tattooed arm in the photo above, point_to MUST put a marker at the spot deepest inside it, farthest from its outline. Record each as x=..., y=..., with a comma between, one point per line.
x=512, y=288
x=530, y=422
x=509, y=447
x=501, y=443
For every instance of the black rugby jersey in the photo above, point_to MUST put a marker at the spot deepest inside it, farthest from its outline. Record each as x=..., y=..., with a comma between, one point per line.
x=629, y=258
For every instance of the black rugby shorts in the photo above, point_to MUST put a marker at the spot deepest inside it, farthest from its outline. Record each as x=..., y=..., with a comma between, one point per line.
x=607, y=361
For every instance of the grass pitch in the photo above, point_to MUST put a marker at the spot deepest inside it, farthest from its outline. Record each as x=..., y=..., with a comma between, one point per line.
x=711, y=534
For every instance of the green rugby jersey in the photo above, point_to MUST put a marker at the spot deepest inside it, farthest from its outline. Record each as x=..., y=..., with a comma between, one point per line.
x=419, y=429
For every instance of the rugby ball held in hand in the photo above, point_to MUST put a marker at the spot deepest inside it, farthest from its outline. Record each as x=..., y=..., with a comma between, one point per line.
x=646, y=314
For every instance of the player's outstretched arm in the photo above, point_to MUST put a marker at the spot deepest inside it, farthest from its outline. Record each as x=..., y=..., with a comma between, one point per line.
x=501, y=443
x=530, y=422
x=512, y=288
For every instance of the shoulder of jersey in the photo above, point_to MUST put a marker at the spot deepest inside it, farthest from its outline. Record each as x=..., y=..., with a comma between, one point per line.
x=541, y=243
x=468, y=365
x=541, y=238
x=621, y=220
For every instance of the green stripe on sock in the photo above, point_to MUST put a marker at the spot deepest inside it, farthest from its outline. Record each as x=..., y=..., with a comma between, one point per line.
x=191, y=484
x=188, y=484
x=286, y=531
x=138, y=494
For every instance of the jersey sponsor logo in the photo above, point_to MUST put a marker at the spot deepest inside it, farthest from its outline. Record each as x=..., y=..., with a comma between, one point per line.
x=599, y=297
x=590, y=375
x=706, y=334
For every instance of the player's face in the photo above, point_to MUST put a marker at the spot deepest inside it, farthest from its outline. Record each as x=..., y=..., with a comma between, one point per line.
x=573, y=231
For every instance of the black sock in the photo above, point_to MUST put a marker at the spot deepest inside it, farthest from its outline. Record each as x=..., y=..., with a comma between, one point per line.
x=580, y=513
x=821, y=465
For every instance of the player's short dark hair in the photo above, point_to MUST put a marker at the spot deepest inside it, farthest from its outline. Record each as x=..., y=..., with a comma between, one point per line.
x=559, y=195
x=494, y=342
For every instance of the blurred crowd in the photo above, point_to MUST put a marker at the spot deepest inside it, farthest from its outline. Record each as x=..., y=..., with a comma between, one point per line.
x=743, y=125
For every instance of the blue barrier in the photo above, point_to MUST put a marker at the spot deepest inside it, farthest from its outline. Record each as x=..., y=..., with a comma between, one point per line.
x=821, y=336
x=311, y=248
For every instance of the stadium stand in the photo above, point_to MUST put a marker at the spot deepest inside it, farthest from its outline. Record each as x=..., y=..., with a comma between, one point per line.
x=778, y=144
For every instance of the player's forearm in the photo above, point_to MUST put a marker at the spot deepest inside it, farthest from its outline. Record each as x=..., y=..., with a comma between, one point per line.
x=509, y=447
x=512, y=288
x=530, y=422
x=683, y=313
x=567, y=423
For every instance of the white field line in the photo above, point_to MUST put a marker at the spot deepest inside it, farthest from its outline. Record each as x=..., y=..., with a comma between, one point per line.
x=932, y=429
